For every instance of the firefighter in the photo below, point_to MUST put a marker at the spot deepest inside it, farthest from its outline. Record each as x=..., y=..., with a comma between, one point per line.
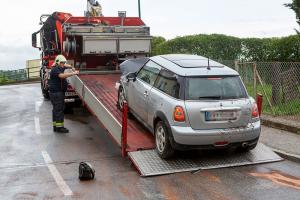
x=57, y=88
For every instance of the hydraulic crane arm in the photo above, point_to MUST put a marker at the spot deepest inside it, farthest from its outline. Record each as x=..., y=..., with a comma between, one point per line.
x=94, y=9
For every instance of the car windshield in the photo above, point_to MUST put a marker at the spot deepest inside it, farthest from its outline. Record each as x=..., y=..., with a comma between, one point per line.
x=214, y=88
x=132, y=65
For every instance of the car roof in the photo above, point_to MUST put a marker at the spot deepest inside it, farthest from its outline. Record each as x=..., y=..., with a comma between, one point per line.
x=192, y=65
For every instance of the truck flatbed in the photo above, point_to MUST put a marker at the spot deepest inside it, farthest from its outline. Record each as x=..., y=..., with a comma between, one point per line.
x=103, y=87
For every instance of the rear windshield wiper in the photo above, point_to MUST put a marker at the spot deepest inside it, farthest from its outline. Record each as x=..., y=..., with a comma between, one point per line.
x=210, y=97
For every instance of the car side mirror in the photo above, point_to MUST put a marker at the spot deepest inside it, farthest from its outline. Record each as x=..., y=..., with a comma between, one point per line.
x=131, y=77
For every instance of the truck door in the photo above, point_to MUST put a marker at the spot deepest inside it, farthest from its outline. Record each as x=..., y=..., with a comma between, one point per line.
x=140, y=89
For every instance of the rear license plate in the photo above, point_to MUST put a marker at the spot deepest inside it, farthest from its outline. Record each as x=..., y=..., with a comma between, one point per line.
x=220, y=115
x=69, y=94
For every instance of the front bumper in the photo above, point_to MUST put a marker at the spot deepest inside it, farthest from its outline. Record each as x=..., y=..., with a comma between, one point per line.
x=186, y=136
x=70, y=98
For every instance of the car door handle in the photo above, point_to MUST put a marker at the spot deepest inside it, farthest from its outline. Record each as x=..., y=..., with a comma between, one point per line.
x=146, y=93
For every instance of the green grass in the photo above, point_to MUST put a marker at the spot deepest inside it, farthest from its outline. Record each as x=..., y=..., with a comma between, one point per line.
x=4, y=81
x=288, y=108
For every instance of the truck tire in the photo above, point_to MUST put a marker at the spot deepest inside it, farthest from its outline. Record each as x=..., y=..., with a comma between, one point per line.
x=162, y=141
x=45, y=92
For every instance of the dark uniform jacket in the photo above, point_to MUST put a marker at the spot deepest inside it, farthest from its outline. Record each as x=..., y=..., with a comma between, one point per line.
x=57, y=84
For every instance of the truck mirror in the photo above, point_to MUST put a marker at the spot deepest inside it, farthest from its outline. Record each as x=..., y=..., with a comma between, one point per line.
x=34, y=39
x=34, y=43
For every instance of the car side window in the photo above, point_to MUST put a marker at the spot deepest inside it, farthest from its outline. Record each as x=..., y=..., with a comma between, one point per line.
x=149, y=72
x=167, y=82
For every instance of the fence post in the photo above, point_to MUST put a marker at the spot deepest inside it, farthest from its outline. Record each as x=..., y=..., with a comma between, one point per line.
x=27, y=73
x=236, y=65
x=254, y=79
x=276, y=86
x=262, y=85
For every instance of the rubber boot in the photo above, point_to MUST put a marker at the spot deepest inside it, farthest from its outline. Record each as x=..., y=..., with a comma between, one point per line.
x=62, y=130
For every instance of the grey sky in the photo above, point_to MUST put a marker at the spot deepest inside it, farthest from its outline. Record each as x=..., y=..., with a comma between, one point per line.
x=167, y=18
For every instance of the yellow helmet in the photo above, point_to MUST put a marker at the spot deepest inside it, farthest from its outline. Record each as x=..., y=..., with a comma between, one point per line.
x=59, y=59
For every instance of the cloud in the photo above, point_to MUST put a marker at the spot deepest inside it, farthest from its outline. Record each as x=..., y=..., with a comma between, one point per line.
x=168, y=18
x=14, y=57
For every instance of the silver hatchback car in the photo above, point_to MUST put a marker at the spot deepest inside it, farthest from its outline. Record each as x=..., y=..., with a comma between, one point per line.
x=189, y=102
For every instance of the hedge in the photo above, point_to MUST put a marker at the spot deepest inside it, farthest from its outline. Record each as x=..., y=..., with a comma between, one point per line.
x=222, y=47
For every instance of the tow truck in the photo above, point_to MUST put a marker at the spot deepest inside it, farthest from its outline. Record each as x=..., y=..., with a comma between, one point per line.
x=96, y=45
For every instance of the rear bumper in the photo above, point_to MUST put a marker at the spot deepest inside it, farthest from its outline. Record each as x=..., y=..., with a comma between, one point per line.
x=188, y=137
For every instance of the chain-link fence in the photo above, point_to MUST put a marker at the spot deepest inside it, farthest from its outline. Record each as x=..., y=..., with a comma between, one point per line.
x=278, y=82
x=20, y=75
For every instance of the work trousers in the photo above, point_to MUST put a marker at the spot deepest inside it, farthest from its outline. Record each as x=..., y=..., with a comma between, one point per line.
x=58, y=102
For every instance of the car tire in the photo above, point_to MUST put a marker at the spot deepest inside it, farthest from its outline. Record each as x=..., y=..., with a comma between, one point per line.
x=162, y=141
x=119, y=103
x=246, y=149
x=121, y=98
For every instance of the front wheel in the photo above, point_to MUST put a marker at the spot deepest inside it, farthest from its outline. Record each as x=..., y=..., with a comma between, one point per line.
x=45, y=92
x=162, y=141
x=121, y=98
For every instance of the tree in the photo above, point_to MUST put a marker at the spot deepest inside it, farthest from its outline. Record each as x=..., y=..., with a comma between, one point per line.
x=295, y=6
x=156, y=41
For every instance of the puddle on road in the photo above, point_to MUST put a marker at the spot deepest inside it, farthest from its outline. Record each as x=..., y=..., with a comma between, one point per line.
x=26, y=195
x=82, y=120
x=280, y=178
x=211, y=177
x=89, y=138
x=80, y=115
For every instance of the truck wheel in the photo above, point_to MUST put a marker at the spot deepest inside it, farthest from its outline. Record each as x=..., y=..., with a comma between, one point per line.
x=45, y=92
x=162, y=141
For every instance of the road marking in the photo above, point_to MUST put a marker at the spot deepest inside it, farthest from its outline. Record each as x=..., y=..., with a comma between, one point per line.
x=56, y=175
x=37, y=106
x=37, y=125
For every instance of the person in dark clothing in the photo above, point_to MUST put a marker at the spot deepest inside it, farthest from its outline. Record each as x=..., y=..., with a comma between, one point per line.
x=57, y=88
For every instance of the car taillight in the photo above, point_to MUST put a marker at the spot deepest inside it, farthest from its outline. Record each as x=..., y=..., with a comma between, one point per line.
x=179, y=114
x=254, y=112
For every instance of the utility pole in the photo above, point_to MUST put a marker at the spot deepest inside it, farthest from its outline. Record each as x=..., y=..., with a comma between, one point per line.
x=139, y=5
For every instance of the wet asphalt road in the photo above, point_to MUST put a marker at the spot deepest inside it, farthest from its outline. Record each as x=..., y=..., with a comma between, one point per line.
x=24, y=151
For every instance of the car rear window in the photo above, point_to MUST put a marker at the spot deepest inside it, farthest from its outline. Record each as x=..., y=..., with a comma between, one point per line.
x=214, y=88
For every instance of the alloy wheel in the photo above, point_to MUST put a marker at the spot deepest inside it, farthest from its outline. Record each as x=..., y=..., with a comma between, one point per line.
x=160, y=139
